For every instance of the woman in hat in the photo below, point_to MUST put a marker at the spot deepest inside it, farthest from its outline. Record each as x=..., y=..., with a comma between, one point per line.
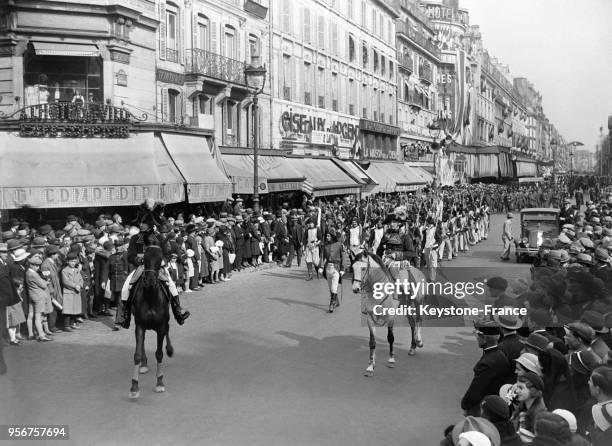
x=528, y=394
x=212, y=253
x=72, y=283
x=36, y=286
x=11, y=294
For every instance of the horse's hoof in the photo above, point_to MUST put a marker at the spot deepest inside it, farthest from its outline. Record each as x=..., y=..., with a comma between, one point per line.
x=391, y=363
x=160, y=389
x=411, y=352
x=369, y=373
x=419, y=344
x=134, y=395
x=170, y=351
x=143, y=370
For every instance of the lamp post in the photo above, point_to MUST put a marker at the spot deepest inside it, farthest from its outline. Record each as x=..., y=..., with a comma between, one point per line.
x=255, y=77
x=434, y=131
x=573, y=146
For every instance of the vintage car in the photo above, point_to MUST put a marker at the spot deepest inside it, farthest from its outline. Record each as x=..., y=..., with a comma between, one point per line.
x=537, y=224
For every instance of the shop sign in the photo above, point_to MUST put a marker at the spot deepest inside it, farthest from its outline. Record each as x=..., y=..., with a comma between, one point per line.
x=89, y=196
x=170, y=77
x=317, y=130
x=377, y=154
x=378, y=127
x=285, y=186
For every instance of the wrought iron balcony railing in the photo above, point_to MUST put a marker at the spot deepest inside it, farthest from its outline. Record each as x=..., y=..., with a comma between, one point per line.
x=405, y=61
x=418, y=38
x=425, y=73
x=172, y=55
x=207, y=63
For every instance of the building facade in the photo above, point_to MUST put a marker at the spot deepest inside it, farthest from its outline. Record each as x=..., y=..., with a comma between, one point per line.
x=334, y=69
x=417, y=98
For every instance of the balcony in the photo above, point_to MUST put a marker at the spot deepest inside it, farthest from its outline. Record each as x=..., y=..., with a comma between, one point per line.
x=207, y=63
x=255, y=8
x=409, y=33
x=172, y=55
x=413, y=8
x=405, y=61
x=425, y=74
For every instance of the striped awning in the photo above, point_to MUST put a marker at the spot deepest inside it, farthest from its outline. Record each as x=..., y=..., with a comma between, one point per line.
x=65, y=49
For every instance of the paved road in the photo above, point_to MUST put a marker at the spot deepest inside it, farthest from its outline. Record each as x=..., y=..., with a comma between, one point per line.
x=260, y=362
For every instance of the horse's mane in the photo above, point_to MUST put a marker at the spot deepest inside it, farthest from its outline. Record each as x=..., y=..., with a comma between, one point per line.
x=381, y=264
x=152, y=262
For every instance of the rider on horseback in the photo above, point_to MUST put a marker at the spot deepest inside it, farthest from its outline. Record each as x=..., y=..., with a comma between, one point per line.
x=138, y=244
x=395, y=244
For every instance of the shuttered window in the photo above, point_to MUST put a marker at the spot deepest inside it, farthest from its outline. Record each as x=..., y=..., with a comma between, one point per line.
x=286, y=15
x=306, y=26
x=174, y=106
x=203, y=33
x=230, y=42
x=321, y=32
x=334, y=38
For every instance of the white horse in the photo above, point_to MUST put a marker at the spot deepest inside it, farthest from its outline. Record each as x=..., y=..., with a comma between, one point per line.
x=370, y=271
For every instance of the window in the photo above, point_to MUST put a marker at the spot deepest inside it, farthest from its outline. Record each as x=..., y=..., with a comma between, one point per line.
x=334, y=92
x=229, y=42
x=351, y=45
x=383, y=65
x=375, y=58
x=306, y=30
x=334, y=38
x=173, y=106
x=373, y=30
x=350, y=9
x=287, y=76
x=351, y=97
x=321, y=88
x=172, y=33
x=364, y=101
x=61, y=78
x=389, y=32
x=321, y=32
x=363, y=13
x=364, y=54
x=203, y=33
x=381, y=31
x=308, y=83
x=230, y=122
x=286, y=16
x=254, y=50
x=390, y=69
x=203, y=104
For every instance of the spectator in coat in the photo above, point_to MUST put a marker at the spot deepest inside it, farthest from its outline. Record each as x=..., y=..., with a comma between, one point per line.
x=490, y=372
x=528, y=392
x=600, y=385
x=72, y=283
x=118, y=272
x=50, y=269
x=9, y=299
x=240, y=243
x=192, y=243
x=101, y=303
x=36, y=287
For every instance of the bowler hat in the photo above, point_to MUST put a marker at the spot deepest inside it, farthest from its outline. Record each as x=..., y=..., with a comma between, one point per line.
x=510, y=321
x=14, y=244
x=486, y=327
x=39, y=242
x=595, y=320
x=581, y=330
x=51, y=249
x=8, y=235
x=537, y=342
x=498, y=283
x=20, y=254
x=584, y=361
x=496, y=408
x=45, y=229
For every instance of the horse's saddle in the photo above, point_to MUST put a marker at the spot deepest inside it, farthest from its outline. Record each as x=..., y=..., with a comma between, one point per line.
x=162, y=275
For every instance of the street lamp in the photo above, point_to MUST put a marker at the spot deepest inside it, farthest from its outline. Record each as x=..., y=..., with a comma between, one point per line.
x=255, y=77
x=573, y=145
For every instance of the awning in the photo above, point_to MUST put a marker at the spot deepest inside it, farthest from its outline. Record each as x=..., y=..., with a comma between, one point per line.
x=394, y=177
x=242, y=180
x=356, y=173
x=65, y=49
x=280, y=175
x=325, y=177
x=74, y=172
x=205, y=181
x=526, y=169
x=422, y=173
x=488, y=166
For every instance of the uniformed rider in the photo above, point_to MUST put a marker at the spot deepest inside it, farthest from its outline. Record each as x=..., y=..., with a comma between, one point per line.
x=139, y=243
x=396, y=244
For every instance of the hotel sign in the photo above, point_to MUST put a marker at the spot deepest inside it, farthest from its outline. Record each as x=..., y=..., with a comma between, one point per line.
x=170, y=77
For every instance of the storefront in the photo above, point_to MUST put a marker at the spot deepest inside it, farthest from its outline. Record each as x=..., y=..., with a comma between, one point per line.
x=304, y=131
x=378, y=141
x=325, y=176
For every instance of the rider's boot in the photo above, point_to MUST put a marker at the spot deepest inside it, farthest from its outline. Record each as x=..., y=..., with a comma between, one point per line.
x=331, y=303
x=177, y=311
x=127, y=313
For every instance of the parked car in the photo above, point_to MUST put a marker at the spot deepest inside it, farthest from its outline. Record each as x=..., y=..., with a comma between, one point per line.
x=536, y=225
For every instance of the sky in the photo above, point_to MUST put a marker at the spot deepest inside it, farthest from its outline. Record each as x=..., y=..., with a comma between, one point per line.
x=564, y=47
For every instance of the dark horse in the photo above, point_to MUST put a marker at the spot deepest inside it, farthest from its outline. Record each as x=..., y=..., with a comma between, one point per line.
x=151, y=312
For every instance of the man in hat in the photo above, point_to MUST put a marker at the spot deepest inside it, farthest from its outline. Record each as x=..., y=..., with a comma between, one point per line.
x=192, y=243
x=507, y=236
x=238, y=235
x=50, y=269
x=238, y=209
x=281, y=237
x=497, y=290
x=510, y=342
x=490, y=372
x=8, y=298
x=578, y=336
x=596, y=321
x=296, y=239
x=394, y=244
x=227, y=206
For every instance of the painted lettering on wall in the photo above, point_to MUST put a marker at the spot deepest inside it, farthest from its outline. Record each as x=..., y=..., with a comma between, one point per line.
x=302, y=124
